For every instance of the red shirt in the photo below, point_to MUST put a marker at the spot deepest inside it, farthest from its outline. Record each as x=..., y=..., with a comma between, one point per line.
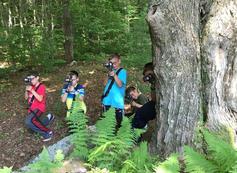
x=37, y=104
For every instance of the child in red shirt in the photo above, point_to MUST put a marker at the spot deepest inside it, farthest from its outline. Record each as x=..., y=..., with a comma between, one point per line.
x=35, y=93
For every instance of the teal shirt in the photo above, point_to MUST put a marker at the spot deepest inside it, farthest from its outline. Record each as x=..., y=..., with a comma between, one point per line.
x=115, y=98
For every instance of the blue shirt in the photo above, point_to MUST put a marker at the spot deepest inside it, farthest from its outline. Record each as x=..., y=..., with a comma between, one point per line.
x=115, y=98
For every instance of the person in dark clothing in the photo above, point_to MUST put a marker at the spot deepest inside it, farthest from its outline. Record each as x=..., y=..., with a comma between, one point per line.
x=133, y=100
x=146, y=112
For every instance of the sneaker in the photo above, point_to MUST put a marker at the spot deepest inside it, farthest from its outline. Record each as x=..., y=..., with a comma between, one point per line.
x=48, y=137
x=50, y=117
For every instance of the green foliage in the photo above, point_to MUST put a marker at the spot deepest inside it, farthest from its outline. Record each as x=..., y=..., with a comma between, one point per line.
x=106, y=148
x=170, y=165
x=5, y=170
x=78, y=127
x=197, y=163
x=138, y=161
x=28, y=37
x=220, y=157
x=44, y=164
x=98, y=170
x=105, y=129
x=220, y=152
x=110, y=148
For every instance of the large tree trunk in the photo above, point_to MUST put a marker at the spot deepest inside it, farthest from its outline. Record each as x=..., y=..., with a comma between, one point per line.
x=176, y=32
x=175, y=35
x=220, y=64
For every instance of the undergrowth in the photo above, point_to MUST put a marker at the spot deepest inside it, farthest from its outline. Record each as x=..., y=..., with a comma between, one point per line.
x=105, y=151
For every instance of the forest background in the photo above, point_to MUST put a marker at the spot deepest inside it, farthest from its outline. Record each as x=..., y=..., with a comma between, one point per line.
x=47, y=36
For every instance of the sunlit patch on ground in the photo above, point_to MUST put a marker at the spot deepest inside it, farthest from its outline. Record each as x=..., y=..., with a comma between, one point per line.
x=4, y=65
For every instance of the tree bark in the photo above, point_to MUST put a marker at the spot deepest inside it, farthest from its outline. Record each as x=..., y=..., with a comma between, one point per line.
x=181, y=33
x=220, y=65
x=174, y=27
x=67, y=26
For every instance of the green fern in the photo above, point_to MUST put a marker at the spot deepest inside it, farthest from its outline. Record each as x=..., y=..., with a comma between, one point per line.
x=105, y=128
x=221, y=153
x=139, y=161
x=44, y=164
x=234, y=168
x=110, y=148
x=171, y=165
x=77, y=122
x=5, y=170
x=197, y=163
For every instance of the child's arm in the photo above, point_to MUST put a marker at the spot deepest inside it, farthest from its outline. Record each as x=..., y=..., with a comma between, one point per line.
x=85, y=84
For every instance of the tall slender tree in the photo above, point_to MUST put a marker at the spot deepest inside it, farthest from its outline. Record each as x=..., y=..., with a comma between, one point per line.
x=68, y=35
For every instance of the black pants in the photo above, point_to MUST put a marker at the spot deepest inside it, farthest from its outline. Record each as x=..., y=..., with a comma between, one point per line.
x=144, y=114
x=118, y=115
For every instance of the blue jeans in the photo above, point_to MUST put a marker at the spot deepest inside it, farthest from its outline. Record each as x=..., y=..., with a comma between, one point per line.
x=34, y=123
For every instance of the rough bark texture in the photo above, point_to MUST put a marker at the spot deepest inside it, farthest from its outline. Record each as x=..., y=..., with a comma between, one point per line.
x=175, y=27
x=219, y=53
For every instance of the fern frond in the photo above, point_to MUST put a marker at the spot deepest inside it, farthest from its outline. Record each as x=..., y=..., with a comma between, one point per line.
x=44, y=164
x=171, y=165
x=128, y=166
x=105, y=128
x=139, y=160
x=110, y=148
x=5, y=170
x=234, y=168
x=222, y=153
x=77, y=122
x=197, y=163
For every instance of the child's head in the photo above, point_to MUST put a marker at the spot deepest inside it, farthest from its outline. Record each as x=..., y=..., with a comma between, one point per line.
x=34, y=77
x=74, y=77
x=116, y=60
x=133, y=92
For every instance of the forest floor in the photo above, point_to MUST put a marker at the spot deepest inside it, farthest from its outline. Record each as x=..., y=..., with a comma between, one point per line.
x=18, y=145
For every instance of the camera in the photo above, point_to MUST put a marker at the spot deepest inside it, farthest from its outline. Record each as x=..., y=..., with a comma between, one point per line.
x=109, y=65
x=27, y=80
x=68, y=79
x=128, y=99
x=149, y=78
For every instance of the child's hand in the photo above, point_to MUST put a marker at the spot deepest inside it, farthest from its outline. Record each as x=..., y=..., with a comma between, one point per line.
x=70, y=88
x=28, y=88
x=85, y=84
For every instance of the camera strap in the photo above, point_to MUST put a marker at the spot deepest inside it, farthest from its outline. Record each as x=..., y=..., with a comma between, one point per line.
x=33, y=97
x=110, y=85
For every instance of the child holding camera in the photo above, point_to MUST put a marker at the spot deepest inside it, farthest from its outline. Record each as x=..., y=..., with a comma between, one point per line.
x=35, y=93
x=147, y=111
x=133, y=100
x=114, y=91
x=72, y=91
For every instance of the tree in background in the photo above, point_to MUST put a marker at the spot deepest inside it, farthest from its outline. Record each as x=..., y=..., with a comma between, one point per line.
x=68, y=35
x=30, y=32
x=46, y=33
x=188, y=38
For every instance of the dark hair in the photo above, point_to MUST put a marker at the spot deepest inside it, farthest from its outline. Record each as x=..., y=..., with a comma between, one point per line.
x=129, y=89
x=33, y=73
x=148, y=66
x=115, y=55
x=73, y=72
